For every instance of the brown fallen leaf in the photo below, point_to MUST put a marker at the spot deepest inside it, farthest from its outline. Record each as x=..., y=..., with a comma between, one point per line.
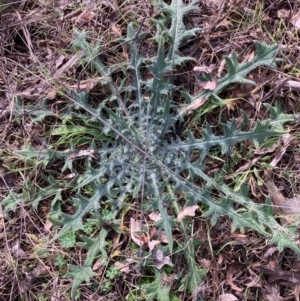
x=240, y=239
x=154, y=216
x=83, y=153
x=17, y=251
x=206, y=69
x=152, y=244
x=162, y=236
x=97, y=265
x=243, y=168
x=208, y=85
x=136, y=227
x=51, y=95
x=297, y=292
x=84, y=17
x=159, y=260
x=100, y=266
x=276, y=273
x=195, y=105
x=227, y=297
x=255, y=280
x=153, y=232
x=26, y=284
x=59, y=61
x=124, y=266
x=224, y=23
x=270, y=251
x=272, y=294
x=229, y=276
x=1, y=222
x=286, y=139
x=293, y=85
x=296, y=20
x=187, y=211
x=48, y=225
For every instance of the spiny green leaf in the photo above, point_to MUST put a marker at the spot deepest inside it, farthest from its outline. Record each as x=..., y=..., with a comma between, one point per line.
x=177, y=31
x=94, y=246
x=283, y=240
x=231, y=136
x=265, y=56
x=166, y=222
x=195, y=277
x=157, y=289
x=79, y=274
x=84, y=206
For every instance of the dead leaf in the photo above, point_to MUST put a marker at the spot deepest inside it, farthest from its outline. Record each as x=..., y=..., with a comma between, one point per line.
x=159, y=260
x=115, y=253
x=59, y=61
x=293, y=85
x=206, y=69
x=84, y=17
x=296, y=20
x=297, y=292
x=273, y=269
x=208, y=85
x=83, y=153
x=270, y=252
x=162, y=236
x=145, y=239
x=227, y=297
x=136, y=227
x=224, y=23
x=48, y=225
x=240, y=239
x=117, y=30
x=153, y=232
x=205, y=263
x=187, y=211
x=273, y=294
x=152, y=244
x=26, y=284
x=124, y=267
x=283, y=13
x=255, y=280
x=51, y=94
x=154, y=216
x=243, y=168
x=97, y=265
x=229, y=276
x=195, y=105
x=286, y=139
x=17, y=251
x=68, y=176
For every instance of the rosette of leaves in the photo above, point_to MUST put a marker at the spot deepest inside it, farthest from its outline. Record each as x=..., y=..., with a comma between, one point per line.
x=142, y=157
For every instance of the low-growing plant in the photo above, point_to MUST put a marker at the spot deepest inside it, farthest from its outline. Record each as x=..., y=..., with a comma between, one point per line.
x=133, y=153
